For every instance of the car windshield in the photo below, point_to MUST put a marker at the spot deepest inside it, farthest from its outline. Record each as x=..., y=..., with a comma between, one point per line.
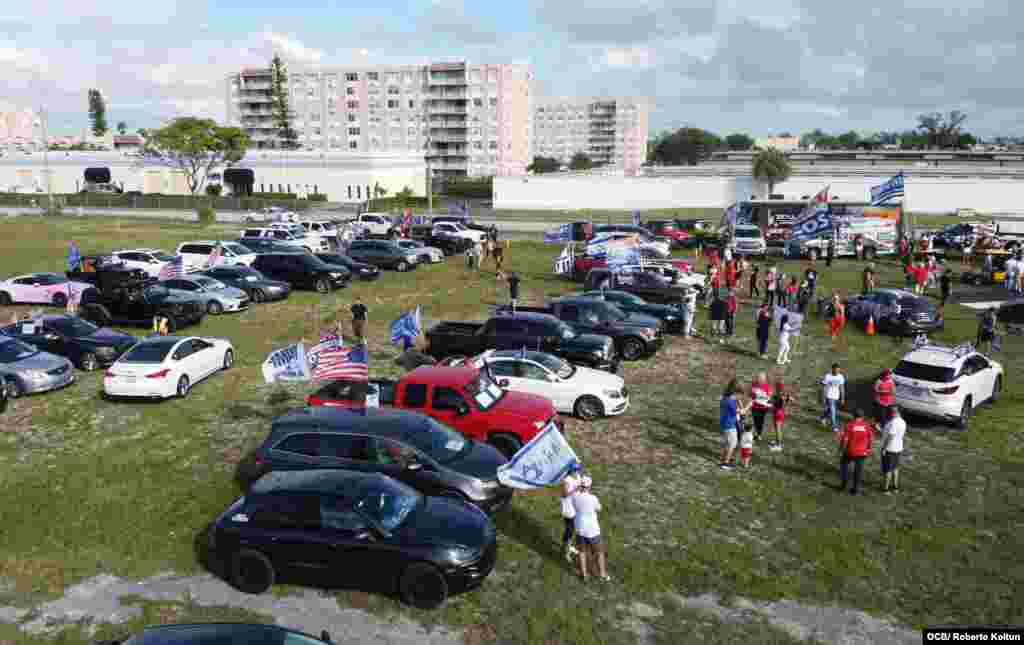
x=152, y=352
x=438, y=441
x=72, y=327
x=921, y=372
x=237, y=249
x=484, y=391
x=563, y=369
x=15, y=350
x=566, y=332
x=748, y=232
x=210, y=283
x=387, y=502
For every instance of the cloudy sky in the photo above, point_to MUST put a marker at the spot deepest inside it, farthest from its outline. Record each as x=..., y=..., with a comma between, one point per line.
x=757, y=66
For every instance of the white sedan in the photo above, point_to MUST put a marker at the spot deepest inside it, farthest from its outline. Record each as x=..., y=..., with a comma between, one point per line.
x=584, y=392
x=164, y=366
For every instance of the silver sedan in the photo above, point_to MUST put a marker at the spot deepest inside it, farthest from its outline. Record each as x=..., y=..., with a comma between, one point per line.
x=215, y=295
x=424, y=253
x=26, y=370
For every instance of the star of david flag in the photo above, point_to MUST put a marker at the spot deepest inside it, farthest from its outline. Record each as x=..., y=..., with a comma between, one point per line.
x=544, y=461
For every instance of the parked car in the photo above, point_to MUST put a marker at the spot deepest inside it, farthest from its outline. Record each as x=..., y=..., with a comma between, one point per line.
x=449, y=244
x=669, y=315
x=83, y=343
x=270, y=245
x=635, y=335
x=270, y=214
x=302, y=271
x=226, y=633
x=285, y=237
x=383, y=254
x=358, y=528
x=160, y=367
x=650, y=246
x=405, y=445
x=361, y=269
x=424, y=254
x=651, y=285
x=196, y=255
x=124, y=300
x=24, y=369
x=977, y=275
x=748, y=240
x=667, y=228
x=258, y=287
x=1011, y=314
x=322, y=228
x=583, y=264
x=458, y=229
x=946, y=382
x=895, y=311
x=216, y=296
x=542, y=332
x=581, y=391
x=42, y=288
x=954, y=236
x=467, y=400
x=149, y=260
x=376, y=225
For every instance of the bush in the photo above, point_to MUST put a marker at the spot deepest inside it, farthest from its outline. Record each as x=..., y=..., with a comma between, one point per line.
x=274, y=196
x=317, y=198
x=482, y=188
x=213, y=190
x=207, y=216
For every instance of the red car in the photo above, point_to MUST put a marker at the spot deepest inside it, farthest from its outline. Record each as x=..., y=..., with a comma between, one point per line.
x=667, y=228
x=460, y=397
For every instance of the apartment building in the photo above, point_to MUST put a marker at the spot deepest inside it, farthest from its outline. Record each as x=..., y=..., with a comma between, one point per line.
x=611, y=131
x=465, y=119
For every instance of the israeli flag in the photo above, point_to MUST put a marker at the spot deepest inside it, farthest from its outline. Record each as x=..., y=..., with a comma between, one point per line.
x=887, y=192
x=558, y=235
x=406, y=327
x=545, y=461
x=287, y=364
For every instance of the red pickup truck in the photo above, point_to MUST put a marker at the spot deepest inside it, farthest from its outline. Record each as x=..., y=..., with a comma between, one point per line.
x=462, y=398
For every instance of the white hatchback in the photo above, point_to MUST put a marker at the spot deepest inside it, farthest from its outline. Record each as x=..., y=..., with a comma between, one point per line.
x=946, y=382
x=584, y=392
x=160, y=367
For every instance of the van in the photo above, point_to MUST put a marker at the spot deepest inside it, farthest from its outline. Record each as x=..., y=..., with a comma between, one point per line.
x=196, y=255
x=748, y=240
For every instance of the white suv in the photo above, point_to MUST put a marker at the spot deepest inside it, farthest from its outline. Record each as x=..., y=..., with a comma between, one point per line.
x=149, y=260
x=315, y=243
x=946, y=382
x=748, y=240
x=195, y=256
x=282, y=236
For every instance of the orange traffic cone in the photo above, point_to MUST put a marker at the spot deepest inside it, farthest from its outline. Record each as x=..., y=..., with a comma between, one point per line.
x=871, y=326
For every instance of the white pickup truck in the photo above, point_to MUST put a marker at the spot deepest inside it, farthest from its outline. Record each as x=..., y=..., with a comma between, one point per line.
x=454, y=229
x=375, y=224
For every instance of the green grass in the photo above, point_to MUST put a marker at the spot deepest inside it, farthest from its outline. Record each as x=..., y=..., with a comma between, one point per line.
x=120, y=488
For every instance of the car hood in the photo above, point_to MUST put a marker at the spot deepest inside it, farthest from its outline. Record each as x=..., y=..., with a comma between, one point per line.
x=528, y=407
x=107, y=338
x=587, y=378
x=38, y=361
x=480, y=461
x=587, y=342
x=448, y=522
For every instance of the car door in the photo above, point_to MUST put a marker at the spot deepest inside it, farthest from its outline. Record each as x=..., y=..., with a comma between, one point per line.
x=543, y=383
x=980, y=378
x=181, y=363
x=400, y=461
x=181, y=288
x=285, y=526
x=205, y=357
x=298, y=450
x=449, y=407
x=346, y=451
x=348, y=545
x=504, y=372
x=26, y=290
x=506, y=333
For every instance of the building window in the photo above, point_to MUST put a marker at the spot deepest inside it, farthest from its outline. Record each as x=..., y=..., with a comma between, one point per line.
x=373, y=76
x=353, y=132
x=478, y=145
x=351, y=118
x=351, y=77
x=373, y=91
x=351, y=91
x=350, y=191
x=374, y=105
x=393, y=104
x=393, y=90
x=359, y=192
x=412, y=132
x=407, y=77
x=493, y=145
x=353, y=105
x=352, y=145
x=478, y=102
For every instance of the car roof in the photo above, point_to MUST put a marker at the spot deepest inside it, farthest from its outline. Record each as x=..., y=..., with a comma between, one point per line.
x=186, y=634
x=441, y=375
x=940, y=355
x=311, y=481
x=530, y=355
x=378, y=422
x=530, y=315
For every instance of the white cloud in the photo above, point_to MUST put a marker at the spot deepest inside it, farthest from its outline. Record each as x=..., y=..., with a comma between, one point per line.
x=292, y=49
x=634, y=57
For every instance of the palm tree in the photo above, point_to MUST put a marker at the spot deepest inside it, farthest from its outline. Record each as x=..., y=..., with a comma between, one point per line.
x=772, y=167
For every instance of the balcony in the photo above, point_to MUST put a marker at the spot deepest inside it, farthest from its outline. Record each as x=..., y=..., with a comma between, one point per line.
x=448, y=138
x=450, y=80
x=447, y=93
x=253, y=85
x=447, y=109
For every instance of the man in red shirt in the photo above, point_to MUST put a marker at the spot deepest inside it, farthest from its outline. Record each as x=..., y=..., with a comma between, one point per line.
x=854, y=446
x=730, y=274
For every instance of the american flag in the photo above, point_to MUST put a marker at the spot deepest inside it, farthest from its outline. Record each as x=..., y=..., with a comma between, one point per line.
x=215, y=256
x=331, y=360
x=173, y=269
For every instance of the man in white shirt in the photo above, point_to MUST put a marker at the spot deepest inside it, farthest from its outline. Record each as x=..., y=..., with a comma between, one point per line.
x=834, y=385
x=892, y=447
x=1012, y=268
x=588, y=530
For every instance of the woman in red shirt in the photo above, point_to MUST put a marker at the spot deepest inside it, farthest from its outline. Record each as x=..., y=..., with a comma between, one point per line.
x=730, y=274
x=920, y=277
x=884, y=399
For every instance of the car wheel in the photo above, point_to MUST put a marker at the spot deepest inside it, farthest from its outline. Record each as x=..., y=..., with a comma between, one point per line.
x=588, y=408
x=812, y=254
x=214, y=308
x=252, y=572
x=423, y=586
x=60, y=300
x=13, y=387
x=965, y=414
x=402, y=266
x=631, y=349
x=997, y=389
x=88, y=362
x=506, y=444
x=229, y=359
x=322, y=286
x=183, y=387
x=257, y=296
x=5, y=299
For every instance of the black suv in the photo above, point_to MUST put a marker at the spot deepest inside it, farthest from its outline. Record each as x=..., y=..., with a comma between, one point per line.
x=383, y=254
x=897, y=312
x=125, y=298
x=259, y=245
x=449, y=244
x=410, y=447
x=302, y=271
x=353, y=527
x=361, y=269
x=83, y=343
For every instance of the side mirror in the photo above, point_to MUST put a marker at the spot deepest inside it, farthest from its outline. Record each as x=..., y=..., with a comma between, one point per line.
x=503, y=383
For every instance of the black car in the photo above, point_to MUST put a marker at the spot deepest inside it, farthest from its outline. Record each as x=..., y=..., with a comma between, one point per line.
x=302, y=271
x=410, y=447
x=219, y=634
x=649, y=285
x=383, y=254
x=83, y=343
x=123, y=299
x=360, y=269
x=350, y=527
x=257, y=286
x=669, y=315
x=954, y=236
x=260, y=245
x=449, y=244
x=895, y=311
x=1011, y=314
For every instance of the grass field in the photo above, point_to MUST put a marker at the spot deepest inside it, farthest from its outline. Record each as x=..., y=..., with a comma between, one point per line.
x=120, y=488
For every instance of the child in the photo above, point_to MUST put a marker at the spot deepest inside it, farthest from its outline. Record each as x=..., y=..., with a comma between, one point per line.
x=588, y=531
x=780, y=400
x=570, y=484
x=746, y=441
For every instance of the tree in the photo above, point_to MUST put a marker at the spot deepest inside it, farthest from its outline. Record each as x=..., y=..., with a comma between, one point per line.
x=97, y=113
x=280, y=106
x=772, y=167
x=580, y=161
x=543, y=165
x=811, y=138
x=404, y=197
x=122, y=127
x=686, y=146
x=739, y=141
x=848, y=140
x=942, y=130
x=911, y=140
x=195, y=147
x=966, y=140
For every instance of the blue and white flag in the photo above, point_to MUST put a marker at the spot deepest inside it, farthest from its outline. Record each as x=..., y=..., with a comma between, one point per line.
x=730, y=215
x=544, y=461
x=887, y=192
x=636, y=218
x=287, y=364
x=74, y=257
x=620, y=256
x=406, y=328
x=814, y=225
x=563, y=263
x=558, y=235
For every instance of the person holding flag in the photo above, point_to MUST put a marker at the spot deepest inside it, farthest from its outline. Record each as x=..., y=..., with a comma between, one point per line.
x=74, y=257
x=406, y=329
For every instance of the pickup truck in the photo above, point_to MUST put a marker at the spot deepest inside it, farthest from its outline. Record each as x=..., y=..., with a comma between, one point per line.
x=457, y=229
x=376, y=225
x=124, y=297
x=635, y=335
x=541, y=332
x=450, y=244
x=463, y=398
x=582, y=265
x=652, y=286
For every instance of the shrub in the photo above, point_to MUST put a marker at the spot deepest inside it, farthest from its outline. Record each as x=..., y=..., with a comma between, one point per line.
x=214, y=190
x=206, y=215
x=317, y=197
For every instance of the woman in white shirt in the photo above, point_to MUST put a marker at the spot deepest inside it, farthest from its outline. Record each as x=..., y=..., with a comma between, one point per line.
x=569, y=485
x=588, y=530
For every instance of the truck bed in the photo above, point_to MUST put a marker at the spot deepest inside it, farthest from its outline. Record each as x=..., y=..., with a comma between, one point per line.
x=449, y=328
